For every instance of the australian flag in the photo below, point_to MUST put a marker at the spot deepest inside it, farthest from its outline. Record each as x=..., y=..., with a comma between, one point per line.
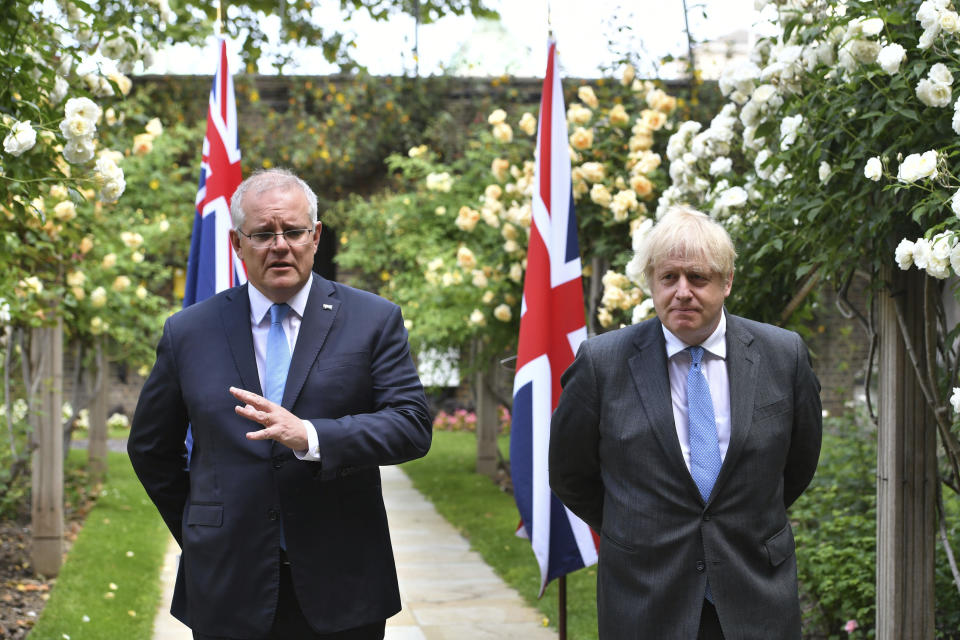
x=213, y=266
x=552, y=326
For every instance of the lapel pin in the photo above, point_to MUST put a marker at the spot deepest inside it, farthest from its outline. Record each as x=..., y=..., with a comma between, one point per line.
x=328, y=307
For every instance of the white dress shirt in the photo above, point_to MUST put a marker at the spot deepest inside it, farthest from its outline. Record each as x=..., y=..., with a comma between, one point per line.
x=714, y=366
x=260, y=324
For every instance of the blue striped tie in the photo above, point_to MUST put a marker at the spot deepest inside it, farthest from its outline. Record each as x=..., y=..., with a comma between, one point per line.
x=278, y=355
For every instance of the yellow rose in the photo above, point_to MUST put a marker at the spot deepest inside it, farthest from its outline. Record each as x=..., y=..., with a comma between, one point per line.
x=578, y=114
x=502, y=132
x=641, y=185
x=137, y=256
x=516, y=272
x=619, y=116
x=487, y=297
x=78, y=293
x=586, y=94
x=477, y=318
x=76, y=278
x=465, y=258
x=581, y=138
x=109, y=261
x=499, y=167
x=142, y=144
x=141, y=292
x=65, y=211
x=467, y=218
x=479, y=279
x=97, y=325
x=499, y=116
x=120, y=283
x=592, y=171
x=131, y=240
x=629, y=73
x=528, y=124
x=59, y=192
x=98, y=297
x=600, y=194
x=653, y=119
x=502, y=313
x=154, y=127
x=493, y=192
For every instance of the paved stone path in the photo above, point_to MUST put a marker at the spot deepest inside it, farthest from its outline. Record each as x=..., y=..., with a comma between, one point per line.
x=447, y=591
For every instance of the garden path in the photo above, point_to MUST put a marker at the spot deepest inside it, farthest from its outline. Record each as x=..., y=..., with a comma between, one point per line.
x=447, y=591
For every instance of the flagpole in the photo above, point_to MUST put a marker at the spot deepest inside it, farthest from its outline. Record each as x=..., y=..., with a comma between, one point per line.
x=218, y=25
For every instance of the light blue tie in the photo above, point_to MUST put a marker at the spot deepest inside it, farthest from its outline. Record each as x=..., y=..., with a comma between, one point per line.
x=704, y=447
x=278, y=355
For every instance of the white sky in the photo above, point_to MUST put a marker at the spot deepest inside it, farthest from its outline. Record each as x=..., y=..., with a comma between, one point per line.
x=583, y=29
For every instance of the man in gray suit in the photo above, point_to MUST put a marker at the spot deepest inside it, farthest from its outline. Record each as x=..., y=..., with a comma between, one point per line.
x=682, y=440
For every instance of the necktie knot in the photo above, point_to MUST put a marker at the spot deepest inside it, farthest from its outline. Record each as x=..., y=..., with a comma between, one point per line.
x=696, y=355
x=278, y=312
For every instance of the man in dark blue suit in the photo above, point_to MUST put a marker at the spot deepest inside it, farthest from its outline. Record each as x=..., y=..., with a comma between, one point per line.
x=280, y=517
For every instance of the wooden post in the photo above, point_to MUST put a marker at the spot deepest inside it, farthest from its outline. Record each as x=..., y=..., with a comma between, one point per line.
x=906, y=477
x=97, y=444
x=46, y=346
x=486, y=422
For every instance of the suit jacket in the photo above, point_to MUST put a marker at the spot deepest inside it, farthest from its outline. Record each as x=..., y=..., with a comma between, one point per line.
x=615, y=461
x=351, y=375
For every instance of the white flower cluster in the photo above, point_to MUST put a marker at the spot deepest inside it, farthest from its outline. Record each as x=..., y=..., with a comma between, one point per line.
x=79, y=127
x=937, y=255
x=918, y=166
x=110, y=178
x=936, y=90
x=936, y=17
x=127, y=47
x=439, y=182
x=21, y=138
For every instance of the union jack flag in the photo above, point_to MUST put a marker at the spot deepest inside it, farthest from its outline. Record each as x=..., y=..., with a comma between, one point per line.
x=552, y=327
x=213, y=265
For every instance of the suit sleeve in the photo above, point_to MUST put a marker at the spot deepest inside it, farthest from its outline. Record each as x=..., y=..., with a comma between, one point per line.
x=156, y=443
x=398, y=426
x=807, y=428
x=574, y=457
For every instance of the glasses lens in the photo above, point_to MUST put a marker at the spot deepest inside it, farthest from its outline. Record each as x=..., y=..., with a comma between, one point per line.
x=261, y=239
x=296, y=236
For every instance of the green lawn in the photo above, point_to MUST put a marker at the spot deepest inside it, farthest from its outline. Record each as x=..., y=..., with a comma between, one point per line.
x=109, y=585
x=488, y=518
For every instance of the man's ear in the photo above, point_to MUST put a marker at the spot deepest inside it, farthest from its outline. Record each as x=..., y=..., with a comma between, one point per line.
x=235, y=241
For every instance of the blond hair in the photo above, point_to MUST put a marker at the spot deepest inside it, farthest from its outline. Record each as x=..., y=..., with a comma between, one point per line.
x=685, y=233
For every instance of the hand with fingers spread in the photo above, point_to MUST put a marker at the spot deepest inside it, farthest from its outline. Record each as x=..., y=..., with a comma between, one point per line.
x=278, y=423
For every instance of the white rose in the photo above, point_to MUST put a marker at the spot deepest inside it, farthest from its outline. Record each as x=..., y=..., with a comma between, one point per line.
x=874, y=169
x=941, y=74
x=955, y=203
x=871, y=26
x=79, y=150
x=733, y=197
x=890, y=58
x=927, y=38
x=497, y=117
x=720, y=166
x=824, y=172
x=928, y=14
x=82, y=108
x=949, y=21
x=921, y=253
x=904, y=254
x=789, y=127
x=21, y=138
x=477, y=318
x=763, y=93
x=955, y=400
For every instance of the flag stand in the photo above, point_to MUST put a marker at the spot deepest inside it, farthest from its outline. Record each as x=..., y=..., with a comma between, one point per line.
x=562, y=607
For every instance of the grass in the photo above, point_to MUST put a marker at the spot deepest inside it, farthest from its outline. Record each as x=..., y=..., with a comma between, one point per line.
x=488, y=517
x=109, y=584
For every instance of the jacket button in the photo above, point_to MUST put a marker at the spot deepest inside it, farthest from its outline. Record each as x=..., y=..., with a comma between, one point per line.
x=277, y=462
x=701, y=566
x=273, y=514
x=706, y=517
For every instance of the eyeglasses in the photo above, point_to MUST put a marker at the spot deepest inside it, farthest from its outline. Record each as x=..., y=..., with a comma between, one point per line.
x=264, y=239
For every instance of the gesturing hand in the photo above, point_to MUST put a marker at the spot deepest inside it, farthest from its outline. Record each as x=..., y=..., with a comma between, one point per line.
x=278, y=423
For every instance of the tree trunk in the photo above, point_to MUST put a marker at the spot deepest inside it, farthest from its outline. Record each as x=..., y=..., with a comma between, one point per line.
x=46, y=348
x=906, y=469
x=97, y=445
x=486, y=406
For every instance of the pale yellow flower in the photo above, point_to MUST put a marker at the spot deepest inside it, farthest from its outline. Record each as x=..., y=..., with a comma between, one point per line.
x=98, y=297
x=142, y=144
x=137, y=256
x=465, y=258
x=502, y=313
x=629, y=73
x=499, y=167
x=76, y=278
x=502, y=133
x=58, y=192
x=581, y=138
x=641, y=185
x=493, y=192
x=487, y=297
x=109, y=261
x=98, y=326
x=516, y=272
x=619, y=116
x=154, y=127
x=65, y=211
x=141, y=292
x=509, y=232
x=467, y=218
x=586, y=94
x=653, y=120
x=498, y=116
x=592, y=171
x=578, y=114
x=479, y=279
x=528, y=124
x=477, y=318
x=131, y=239
x=86, y=245
x=600, y=194
x=120, y=283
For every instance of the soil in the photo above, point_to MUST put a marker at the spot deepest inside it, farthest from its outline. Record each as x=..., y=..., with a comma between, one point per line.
x=23, y=593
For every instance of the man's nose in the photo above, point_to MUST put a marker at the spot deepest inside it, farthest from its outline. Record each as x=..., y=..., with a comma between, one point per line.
x=683, y=287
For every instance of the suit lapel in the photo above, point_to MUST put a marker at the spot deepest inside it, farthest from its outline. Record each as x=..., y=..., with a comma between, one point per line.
x=649, y=370
x=235, y=313
x=318, y=317
x=742, y=367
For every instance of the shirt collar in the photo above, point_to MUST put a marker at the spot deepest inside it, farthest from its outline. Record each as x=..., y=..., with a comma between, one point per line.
x=716, y=344
x=260, y=304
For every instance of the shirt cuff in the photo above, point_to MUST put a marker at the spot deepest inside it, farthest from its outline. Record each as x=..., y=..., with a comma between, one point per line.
x=312, y=452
